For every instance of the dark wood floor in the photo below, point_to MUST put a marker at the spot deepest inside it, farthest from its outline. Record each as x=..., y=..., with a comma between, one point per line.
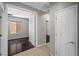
x=18, y=45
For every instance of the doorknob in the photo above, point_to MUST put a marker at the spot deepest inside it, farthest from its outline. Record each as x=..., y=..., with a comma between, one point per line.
x=0, y=17
x=72, y=42
x=0, y=35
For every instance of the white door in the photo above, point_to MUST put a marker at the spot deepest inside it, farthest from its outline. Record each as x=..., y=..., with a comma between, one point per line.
x=66, y=31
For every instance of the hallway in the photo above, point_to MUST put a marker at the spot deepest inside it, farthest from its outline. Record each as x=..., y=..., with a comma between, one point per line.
x=27, y=27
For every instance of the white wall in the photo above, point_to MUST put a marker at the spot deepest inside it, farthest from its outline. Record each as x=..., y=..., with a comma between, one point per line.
x=32, y=32
x=1, y=11
x=0, y=31
x=37, y=28
x=41, y=30
x=4, y=31
x=25, y=27
x=47, y=22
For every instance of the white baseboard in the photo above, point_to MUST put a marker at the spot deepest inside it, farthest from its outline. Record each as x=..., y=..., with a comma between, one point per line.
x=51, y=54
x=41, y=44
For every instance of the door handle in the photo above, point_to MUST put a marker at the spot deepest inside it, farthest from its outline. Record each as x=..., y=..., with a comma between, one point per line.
x=0, y=35
x=72, y=42
x=0, y=17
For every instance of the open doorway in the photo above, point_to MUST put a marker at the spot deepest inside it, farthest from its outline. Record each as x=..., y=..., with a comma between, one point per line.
x=21, y=30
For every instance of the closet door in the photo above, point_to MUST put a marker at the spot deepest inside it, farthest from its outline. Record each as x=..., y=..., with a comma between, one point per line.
x=66, y=32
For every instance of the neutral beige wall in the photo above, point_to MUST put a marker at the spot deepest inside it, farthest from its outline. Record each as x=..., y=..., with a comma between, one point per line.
x=55, y=6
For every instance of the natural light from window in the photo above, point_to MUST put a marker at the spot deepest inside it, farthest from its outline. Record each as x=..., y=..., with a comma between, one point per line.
x=15, y=27
x=12, y=27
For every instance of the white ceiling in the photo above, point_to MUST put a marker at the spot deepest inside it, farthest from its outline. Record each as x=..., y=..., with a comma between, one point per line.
x=43, y=6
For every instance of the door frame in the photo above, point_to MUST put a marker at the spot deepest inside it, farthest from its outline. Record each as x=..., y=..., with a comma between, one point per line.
x=36, y=17
x=60, y=11
x=4, y=31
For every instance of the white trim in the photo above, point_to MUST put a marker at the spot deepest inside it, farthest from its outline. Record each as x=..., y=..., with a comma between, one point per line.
x=51, y=54
x=4, y=31
x=41, y=45
x=55, y=35
x=36, y=29
x=1, y=12
x=59, y=12
x=76, y=6
x=24, y=9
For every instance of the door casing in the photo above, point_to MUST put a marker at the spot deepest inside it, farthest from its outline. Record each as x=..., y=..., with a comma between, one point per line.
x=60, y=11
